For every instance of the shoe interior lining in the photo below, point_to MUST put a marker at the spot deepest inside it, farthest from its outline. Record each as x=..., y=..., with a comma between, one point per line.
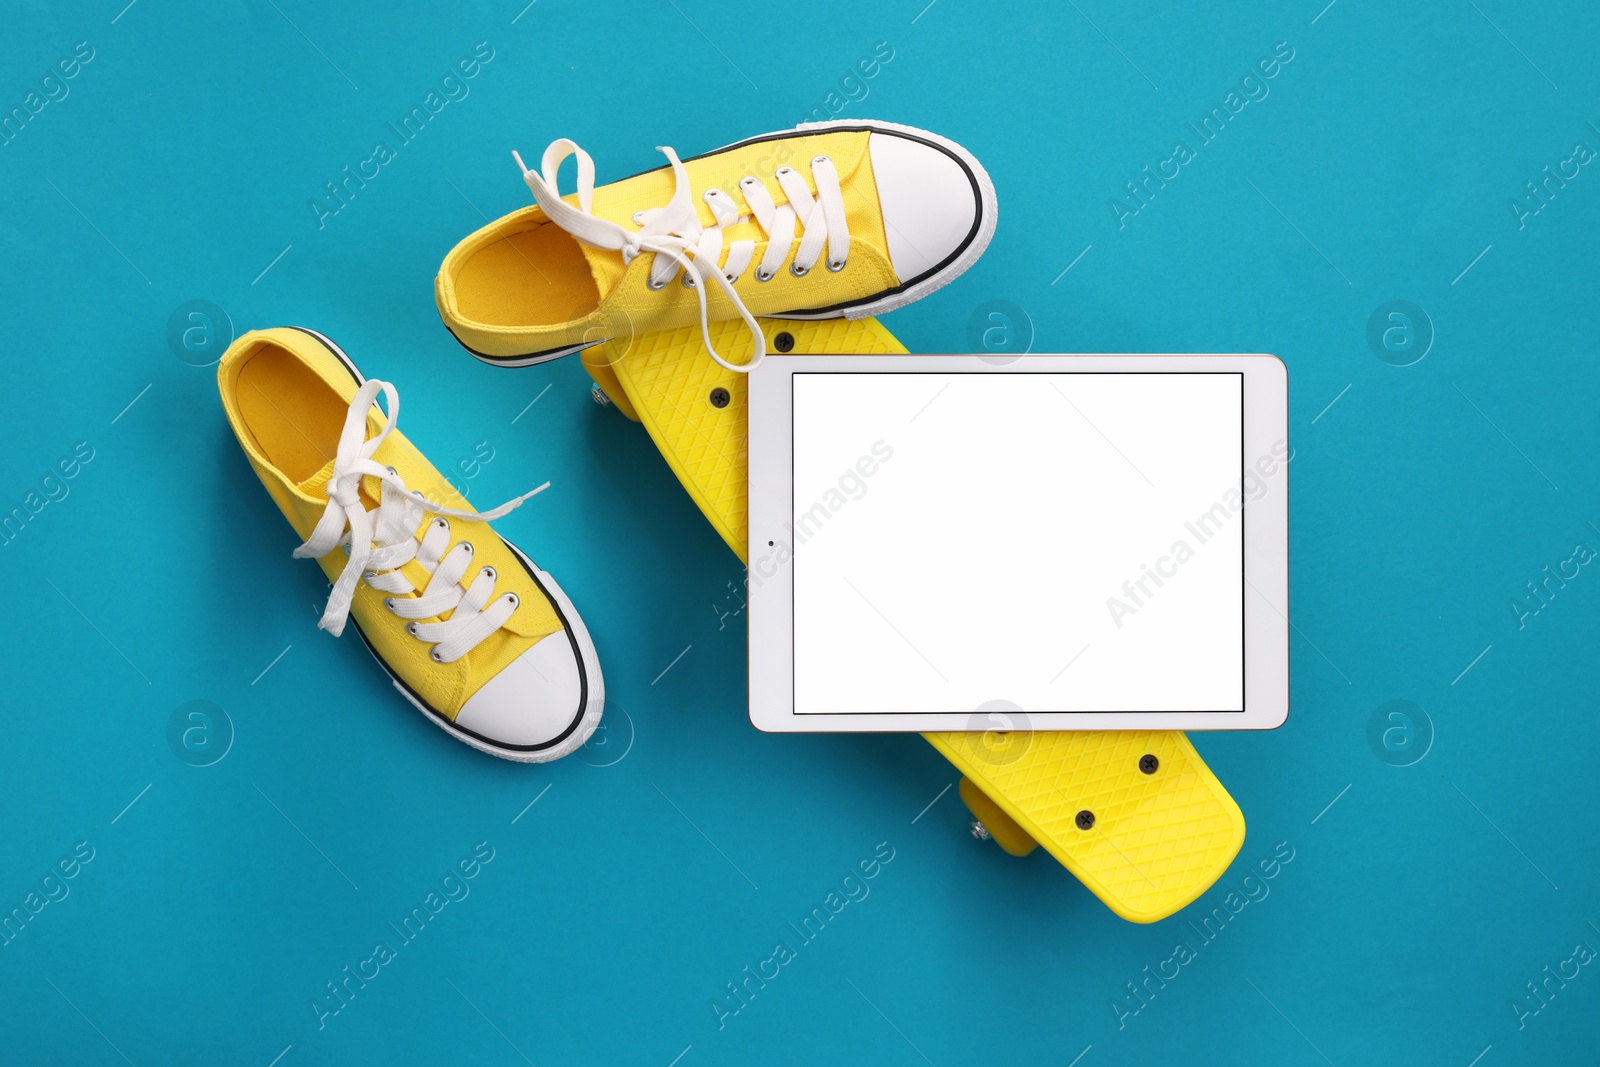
x=533, y=277
x=293, y=416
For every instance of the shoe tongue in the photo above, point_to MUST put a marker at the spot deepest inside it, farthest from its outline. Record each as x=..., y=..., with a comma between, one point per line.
x=606, y=267
x=621, y=207
x=315, y=485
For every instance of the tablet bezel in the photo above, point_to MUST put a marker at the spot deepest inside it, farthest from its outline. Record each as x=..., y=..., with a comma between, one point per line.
x=770, y=591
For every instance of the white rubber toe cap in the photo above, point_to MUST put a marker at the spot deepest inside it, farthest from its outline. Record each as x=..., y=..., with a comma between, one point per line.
x=532, y=701
x=931, y=203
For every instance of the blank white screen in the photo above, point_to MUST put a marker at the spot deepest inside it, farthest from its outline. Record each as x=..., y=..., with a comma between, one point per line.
x=1059, y=542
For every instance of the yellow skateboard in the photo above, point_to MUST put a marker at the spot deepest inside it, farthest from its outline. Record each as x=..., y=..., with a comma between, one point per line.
x=1137, y=816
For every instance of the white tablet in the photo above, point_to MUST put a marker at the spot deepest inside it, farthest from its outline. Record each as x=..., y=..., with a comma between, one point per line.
x=1087, y=542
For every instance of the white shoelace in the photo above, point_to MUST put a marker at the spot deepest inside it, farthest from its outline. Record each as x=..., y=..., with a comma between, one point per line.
x=383, y=540
x=674, y=233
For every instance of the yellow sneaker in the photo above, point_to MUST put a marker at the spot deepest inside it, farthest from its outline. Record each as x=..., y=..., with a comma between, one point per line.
x=828, y=220
x=471, y=632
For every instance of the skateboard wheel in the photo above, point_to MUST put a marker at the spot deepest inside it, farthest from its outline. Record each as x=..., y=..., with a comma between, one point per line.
x=995, y=825
x=601, y=363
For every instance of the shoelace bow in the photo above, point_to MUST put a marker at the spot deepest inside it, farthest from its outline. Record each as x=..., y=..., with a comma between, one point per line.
x=383, y=540
x=678, y=240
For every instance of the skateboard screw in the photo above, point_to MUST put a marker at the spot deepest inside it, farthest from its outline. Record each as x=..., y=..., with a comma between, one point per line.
x=980, y=831
x=1148, y=763
x=1085, y=819
x=719, y=397
x=600, y=397
x=784, y=342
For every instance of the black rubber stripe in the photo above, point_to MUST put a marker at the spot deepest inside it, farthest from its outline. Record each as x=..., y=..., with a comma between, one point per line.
x=539, y=357
x=572, y=639
x=340, y=356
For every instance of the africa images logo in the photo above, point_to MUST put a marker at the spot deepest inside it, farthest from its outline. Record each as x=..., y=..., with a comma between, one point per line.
x=1253, y=88
x=853, y=888
x=452, y=889
x=850, y=485
x=453, y=87
x=1256, y=484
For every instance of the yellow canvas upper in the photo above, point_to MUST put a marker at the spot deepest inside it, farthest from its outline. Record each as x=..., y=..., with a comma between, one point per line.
x=521, y=284
x=285, y=395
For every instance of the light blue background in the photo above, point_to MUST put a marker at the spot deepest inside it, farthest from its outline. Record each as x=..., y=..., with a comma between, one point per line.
x=1381, y=166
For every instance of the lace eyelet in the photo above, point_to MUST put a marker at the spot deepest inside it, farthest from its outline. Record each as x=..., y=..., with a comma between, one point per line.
x=688, y=282
x=490, y=571
x=388, y=603
x=798, y=271
x=731, y=277
x=836, y=267
x=468, y=546
x=650, y=283
x=441, y=524
x=820, y=159
x=785, y=170
x=433, y=654
x=638, y=218
x=512, y=598
x=411, y=628
x=746, y=182
x=763, y=276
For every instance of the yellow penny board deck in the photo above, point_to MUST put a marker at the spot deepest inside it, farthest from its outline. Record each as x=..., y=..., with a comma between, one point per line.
x=1156, y=840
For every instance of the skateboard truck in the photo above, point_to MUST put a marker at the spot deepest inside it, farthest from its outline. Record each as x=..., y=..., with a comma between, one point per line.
x=1137, y=816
